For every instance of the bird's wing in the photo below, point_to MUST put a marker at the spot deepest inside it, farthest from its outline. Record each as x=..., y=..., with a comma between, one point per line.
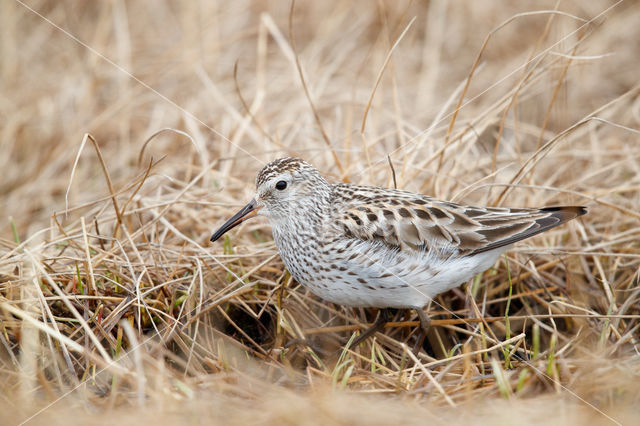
x=400, y=219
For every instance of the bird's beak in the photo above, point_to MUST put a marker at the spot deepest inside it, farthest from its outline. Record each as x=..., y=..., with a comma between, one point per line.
x=248, y=211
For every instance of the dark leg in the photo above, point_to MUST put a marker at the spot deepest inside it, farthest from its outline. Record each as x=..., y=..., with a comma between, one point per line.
x=424, y=326
x=303, y=342
x=383, y=318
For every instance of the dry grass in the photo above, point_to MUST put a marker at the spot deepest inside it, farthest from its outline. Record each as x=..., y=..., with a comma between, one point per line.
x=115, y=308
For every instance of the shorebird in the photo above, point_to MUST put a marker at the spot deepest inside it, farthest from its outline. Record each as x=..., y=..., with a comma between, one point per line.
x=367, y=246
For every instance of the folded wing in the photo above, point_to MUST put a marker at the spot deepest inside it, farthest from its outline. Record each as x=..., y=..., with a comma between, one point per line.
x=405, y=221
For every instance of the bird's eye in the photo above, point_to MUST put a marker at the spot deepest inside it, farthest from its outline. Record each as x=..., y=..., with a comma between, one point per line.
x=281, y=185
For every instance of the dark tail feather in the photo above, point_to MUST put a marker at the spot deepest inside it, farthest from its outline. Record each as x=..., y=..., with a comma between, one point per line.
x=565, y=213
x=557, y=216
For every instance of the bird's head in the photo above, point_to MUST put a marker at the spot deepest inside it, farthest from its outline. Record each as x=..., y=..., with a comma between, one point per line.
x=285, y=188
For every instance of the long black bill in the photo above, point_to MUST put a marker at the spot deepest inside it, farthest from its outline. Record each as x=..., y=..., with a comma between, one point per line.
x=245, y=213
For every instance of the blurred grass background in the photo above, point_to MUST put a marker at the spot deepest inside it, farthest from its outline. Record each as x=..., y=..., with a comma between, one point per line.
x=114, y=301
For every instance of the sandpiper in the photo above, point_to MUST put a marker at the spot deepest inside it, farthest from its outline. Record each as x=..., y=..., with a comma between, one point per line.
x=367, y=246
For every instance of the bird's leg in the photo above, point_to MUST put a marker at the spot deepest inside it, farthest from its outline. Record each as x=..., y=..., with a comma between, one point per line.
x=383, y=318
x=424, y=326
x=304, y=343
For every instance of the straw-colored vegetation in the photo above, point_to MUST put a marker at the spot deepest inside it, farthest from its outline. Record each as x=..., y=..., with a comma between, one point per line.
x=131, y=130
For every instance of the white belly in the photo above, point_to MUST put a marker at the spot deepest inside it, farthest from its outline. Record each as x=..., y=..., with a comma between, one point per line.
x=386, y=278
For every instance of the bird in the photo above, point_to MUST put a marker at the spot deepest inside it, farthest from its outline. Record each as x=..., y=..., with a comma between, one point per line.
x=369, y=246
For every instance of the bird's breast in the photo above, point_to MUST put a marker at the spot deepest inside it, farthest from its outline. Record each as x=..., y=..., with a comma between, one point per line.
x=299, y=253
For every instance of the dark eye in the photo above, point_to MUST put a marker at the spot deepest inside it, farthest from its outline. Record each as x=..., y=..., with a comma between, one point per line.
x=281, y=185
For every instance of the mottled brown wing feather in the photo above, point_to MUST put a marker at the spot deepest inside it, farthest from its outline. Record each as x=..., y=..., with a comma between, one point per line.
x=403, y=220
